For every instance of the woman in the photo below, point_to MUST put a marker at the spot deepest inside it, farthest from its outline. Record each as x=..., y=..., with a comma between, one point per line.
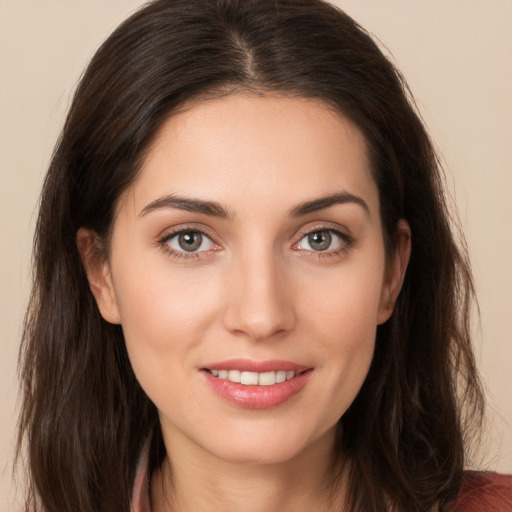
x=247, y=293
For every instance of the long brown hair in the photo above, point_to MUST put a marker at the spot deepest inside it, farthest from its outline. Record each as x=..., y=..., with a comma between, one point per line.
x=84, y=417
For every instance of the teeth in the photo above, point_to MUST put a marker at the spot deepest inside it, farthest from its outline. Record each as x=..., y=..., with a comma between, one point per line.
x=249, y=378
x=280, y=376
x=254, y=378
x=234, y=376
x=267, y=379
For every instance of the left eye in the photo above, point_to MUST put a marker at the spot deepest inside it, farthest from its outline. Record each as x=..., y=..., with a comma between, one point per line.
x=190, y=241
x=321, y=241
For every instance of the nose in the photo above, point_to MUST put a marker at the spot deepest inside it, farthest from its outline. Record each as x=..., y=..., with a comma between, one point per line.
x=259, y=304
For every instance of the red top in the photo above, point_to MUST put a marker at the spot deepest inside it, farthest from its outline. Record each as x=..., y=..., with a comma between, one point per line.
x=480, y=492
x=485, y=492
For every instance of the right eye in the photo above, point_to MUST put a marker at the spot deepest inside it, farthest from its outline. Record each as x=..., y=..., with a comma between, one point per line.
x=189, y=241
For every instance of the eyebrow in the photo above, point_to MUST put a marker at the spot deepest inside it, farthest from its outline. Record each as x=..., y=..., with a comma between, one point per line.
x=214, y=209
x=327, y=201
x=211, y=208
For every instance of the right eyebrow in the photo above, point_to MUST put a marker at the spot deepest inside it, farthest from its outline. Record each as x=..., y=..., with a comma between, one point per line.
x=211, y=208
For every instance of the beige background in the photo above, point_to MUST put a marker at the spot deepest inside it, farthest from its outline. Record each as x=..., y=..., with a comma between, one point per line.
x=456, y=55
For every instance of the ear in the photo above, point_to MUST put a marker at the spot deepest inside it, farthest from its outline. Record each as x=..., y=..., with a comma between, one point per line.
x=395, y=272
x=99, y=275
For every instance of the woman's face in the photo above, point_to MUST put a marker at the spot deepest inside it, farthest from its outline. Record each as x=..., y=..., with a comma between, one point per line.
x=250, y=248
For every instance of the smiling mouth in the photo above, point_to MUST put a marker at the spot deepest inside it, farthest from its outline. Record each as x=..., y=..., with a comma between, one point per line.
x=256, y=385
x=254, y=378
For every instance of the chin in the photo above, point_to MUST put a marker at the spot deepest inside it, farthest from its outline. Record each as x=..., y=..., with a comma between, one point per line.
x=272, y=444
x=258, y=455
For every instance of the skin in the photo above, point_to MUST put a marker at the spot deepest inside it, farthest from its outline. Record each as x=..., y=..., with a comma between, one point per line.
x=259, y=290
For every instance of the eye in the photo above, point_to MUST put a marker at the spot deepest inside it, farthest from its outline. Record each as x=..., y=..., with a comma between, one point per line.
x=323, y=240
x=189, y=241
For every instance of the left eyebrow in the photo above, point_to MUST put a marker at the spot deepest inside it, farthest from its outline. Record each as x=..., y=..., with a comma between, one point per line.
x=327, y=201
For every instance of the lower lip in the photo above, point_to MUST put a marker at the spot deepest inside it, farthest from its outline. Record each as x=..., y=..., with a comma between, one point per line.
x=257, y=397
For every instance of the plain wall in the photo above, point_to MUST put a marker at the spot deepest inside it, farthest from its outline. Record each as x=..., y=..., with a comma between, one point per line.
x=456, y=56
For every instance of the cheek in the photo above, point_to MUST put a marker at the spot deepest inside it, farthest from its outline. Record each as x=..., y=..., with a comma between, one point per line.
x=164, y=315
x=344, y=320
x=158, y=302
x=345, y=303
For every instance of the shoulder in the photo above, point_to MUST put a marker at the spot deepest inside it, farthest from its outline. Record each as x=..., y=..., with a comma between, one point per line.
x=483, y=491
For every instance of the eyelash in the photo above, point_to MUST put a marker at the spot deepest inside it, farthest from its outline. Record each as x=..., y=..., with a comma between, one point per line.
x=163, y=243
x=347, y=242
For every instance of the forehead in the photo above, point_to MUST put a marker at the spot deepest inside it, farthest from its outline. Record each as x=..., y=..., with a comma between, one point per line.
x=240, y=146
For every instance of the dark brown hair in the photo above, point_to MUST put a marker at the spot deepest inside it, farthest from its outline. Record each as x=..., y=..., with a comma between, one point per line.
x=84, y=417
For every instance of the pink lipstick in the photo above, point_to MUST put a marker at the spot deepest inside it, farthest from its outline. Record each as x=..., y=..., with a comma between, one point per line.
x=256, y=384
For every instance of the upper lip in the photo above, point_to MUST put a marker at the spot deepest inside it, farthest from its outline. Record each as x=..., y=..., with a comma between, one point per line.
x=249, y=365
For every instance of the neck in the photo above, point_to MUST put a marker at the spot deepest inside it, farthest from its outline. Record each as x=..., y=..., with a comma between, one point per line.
x=193, y=481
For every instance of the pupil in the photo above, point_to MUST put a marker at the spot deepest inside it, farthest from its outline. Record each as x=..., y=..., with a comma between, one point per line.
x=320, y=241
x=190, y=241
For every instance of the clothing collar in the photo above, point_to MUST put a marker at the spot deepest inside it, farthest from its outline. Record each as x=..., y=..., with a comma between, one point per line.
x=140, y=496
